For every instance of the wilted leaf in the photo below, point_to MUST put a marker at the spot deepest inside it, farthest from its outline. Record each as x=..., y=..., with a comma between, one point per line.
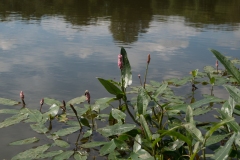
x=25, y=141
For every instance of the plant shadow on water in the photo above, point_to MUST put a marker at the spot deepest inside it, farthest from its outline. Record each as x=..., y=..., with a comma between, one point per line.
x=156, y=120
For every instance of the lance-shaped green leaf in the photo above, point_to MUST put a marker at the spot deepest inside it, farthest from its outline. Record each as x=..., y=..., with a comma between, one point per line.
x=118, y=115
x=110, y=87
x=206, y=100
x=78, y=156
x=39, y=128
x=227, y=64
x=116, y=129
x=126, y=70
x=215, y=139
x=33, y=115
x=31, y=153
x=173, y=146
x=211, y=79
x=66, y=131
x=64, y=155
x=93, y=144
x=87, y=133
x=145, y=126
x=61, y=143
x=223, y=152
x=25, y=141
x=8, y=102
x=108, y=148
x=217, y=125
x=49, y=154
x=237, y=138
x=137, y=143
x=234, y=92
x=195, y=133
x=50, y=101
x=233, y=124
x=13, y=120
x=141, y=154
x=142, y=101
x=189, y=115
x=160, y=90
x=178, y=135
x=76, y=100
x=9, y=111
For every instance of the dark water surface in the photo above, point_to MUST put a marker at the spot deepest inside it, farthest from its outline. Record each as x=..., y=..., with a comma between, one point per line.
x=56, y=48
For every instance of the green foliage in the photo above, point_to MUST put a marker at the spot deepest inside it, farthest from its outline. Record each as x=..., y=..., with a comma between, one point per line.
x=155, y=124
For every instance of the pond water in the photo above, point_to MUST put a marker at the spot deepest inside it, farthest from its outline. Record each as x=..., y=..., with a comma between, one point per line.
x=57, y=48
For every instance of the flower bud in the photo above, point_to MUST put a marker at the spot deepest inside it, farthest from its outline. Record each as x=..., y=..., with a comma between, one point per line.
x=139, y=75
x=42, y=102
x=149, y=58
x=216, y=63
x=87, y=94
x=120, y=61
x=22, y=95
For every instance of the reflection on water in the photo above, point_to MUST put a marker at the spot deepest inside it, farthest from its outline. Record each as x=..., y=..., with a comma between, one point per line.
x=56, y=48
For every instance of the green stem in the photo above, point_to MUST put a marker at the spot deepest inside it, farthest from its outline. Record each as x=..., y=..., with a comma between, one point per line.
x=145, y=77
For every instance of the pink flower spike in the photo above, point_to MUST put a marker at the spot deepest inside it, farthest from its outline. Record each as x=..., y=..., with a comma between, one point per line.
x=87, y=94
x=139, y=75
x=42, y=102
x=120, y=61
x=22, y=95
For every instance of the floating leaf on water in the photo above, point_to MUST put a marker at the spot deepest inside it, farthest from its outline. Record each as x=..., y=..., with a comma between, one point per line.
x=87, y=133
x=78, y=156
x=209, y=69
x=61, y=143
x=31, y=153
x=64, y=155
x=39, y=128
x=13, y=120
x=77, y=100
x=93, y=144
x=67, y=131
x=116, y=129
x=49, y=154
x=9, y=102
x=33, y=115
x=9, y=111
x=25, y=141
x=50, y=101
